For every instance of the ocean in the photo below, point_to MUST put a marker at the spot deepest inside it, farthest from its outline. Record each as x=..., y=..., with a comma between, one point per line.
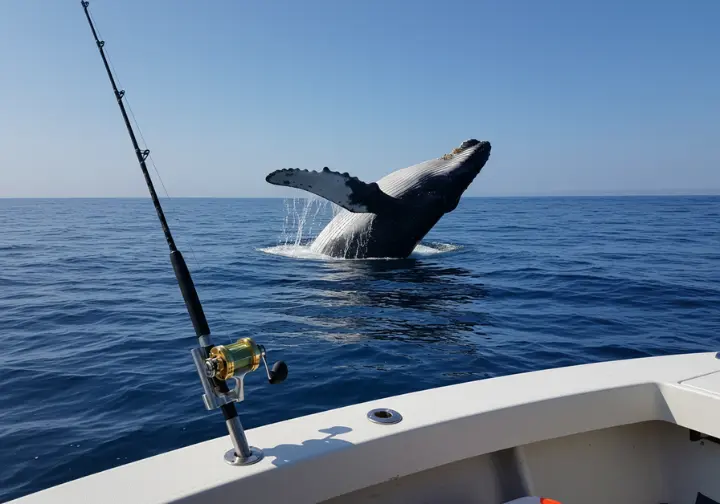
x=95, y=347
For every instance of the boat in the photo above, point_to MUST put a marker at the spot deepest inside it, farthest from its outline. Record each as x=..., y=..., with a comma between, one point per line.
x=640, y=431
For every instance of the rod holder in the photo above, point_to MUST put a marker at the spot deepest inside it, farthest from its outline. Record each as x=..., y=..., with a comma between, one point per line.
x=234, y=361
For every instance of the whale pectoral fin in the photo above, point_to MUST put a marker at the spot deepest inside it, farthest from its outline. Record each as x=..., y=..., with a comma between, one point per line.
x=348, y=192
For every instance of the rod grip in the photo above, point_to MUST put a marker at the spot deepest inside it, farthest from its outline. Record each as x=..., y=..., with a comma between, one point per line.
x=190, y=295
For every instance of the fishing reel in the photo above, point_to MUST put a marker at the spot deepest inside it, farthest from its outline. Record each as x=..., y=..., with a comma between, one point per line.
x=233, y=361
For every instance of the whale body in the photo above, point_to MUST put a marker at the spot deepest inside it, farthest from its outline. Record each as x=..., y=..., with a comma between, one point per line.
x=388, y=218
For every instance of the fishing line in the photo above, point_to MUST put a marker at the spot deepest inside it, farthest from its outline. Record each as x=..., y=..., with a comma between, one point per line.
x=132, y=114
x=197, y=266
x=142, y=137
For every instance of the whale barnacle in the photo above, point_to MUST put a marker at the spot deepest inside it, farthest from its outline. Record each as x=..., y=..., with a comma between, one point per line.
x=465, y=145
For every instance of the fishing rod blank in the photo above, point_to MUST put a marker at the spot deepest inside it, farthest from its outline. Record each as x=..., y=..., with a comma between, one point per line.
x=214, y=364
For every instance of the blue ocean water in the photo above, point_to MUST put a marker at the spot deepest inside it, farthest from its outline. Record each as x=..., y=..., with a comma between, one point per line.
x=91, y=317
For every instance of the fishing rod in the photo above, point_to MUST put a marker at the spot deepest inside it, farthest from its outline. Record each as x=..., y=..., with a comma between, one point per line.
x=214, y=364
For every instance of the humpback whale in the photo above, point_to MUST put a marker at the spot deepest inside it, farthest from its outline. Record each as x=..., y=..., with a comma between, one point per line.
x=388, y=218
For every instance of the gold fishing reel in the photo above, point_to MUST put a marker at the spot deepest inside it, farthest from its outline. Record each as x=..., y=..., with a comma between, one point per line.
x=233, y=361
x=243, y=356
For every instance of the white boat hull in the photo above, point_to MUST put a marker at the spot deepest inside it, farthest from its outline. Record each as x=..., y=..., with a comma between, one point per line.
x=608, y=432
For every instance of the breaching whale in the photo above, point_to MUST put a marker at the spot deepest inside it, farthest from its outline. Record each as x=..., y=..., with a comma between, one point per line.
x=389, y=217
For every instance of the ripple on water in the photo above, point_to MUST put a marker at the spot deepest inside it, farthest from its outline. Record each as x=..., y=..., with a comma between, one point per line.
x=294, y=251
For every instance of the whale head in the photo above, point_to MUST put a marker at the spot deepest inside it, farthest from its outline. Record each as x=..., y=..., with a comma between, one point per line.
x=439, y=182
x=471, y=157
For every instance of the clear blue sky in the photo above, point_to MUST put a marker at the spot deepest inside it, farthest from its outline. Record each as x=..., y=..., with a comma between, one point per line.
x=575, y=96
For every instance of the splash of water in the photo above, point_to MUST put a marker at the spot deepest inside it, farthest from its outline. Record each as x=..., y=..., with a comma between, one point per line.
x=300, y=217
x=360, y=240
x=304, y=252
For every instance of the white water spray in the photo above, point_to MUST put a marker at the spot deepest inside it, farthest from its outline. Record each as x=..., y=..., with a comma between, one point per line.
x=305, y=215
x=362, y=240
x=300, y=217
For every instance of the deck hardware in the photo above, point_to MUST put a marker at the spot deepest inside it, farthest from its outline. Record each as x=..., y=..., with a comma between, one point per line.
x=699, y=436
x=384, y=416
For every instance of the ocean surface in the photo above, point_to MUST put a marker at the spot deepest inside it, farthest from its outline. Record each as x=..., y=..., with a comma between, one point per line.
x=95, y=347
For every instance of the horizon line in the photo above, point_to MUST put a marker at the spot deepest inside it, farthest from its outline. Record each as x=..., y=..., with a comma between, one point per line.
x=488, y=196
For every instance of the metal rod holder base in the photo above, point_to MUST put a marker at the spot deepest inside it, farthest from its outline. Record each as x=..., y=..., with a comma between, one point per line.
x=256, y=455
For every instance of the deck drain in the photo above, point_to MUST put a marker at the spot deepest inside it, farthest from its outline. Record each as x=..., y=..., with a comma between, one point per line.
x=384, y=416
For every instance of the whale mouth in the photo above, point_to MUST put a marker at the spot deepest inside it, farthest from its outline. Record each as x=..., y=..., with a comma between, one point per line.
x=299, y=251
x=482, y=148
x=470, y=158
